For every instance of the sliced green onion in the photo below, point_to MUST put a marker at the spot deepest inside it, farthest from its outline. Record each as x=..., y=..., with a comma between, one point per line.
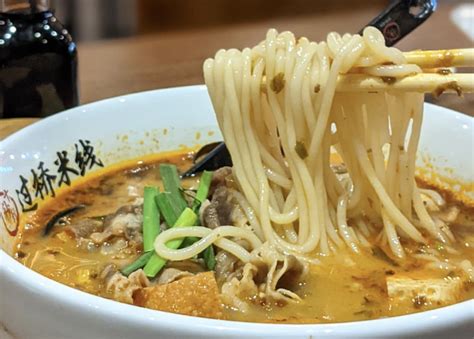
x=139, y=263
x=188, y=241
x=170, y=178
x=208, y=254
x=209, y=257
x=156, y=263
x=151, y=218
x=167, y=208
x=203, y=190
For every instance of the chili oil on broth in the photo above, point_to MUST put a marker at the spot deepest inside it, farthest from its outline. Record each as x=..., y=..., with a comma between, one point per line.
x=58, y=257
x=344, y=287
x=352, y=287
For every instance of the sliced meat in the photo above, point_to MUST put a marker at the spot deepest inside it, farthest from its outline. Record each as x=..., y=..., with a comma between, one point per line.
x=223, y=209
x=196, y=295
x=126, y=222
x=192, y=265
x=220, y=177
x=227, y=267
x=270, y=276
x=122, y=287
x=219, y=211
x=171, y=274
x=113, y=248
x=83, y=228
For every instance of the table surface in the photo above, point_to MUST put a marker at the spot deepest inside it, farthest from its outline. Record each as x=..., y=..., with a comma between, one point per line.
x=116, y=67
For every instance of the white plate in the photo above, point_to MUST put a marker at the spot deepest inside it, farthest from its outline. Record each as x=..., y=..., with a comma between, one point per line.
x=32, y=306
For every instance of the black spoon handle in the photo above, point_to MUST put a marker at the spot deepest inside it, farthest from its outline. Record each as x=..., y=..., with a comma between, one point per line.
x=401, y=17
x=395, y=22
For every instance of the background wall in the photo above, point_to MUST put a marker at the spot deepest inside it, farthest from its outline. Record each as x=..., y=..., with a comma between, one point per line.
x=90, y=20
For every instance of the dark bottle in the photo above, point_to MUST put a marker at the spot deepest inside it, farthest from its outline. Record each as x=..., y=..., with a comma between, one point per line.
x=38, y=61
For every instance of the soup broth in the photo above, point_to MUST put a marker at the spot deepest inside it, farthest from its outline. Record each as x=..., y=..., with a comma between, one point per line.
x=339, y=288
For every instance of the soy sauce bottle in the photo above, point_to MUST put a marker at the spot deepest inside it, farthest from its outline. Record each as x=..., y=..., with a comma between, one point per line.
x=38, y=61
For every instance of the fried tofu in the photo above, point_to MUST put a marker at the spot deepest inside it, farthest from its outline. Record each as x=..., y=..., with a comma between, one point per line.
x=197, y=295
x=421, y=292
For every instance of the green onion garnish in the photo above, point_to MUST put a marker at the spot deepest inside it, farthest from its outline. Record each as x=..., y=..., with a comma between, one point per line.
x=151, y=218
x=156, y=263
x=169, y=176
x=209, y=257
x=168, y=209
x=139, y=263
x=203, y=190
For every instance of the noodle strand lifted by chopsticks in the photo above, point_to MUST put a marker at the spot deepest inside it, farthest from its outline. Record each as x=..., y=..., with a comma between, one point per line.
x=282, y=119
x=281, y=132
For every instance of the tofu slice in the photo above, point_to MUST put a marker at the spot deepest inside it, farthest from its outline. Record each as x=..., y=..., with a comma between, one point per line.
x=423, y=292
x=196, y=295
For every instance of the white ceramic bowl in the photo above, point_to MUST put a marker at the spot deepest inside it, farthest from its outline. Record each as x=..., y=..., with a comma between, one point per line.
x=32, y=306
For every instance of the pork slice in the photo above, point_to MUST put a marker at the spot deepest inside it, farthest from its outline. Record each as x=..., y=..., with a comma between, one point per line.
x=223, y=209
x=122, y=287
x=220, y=177
x=83, y=228
x=172, y=274
x=126, y=223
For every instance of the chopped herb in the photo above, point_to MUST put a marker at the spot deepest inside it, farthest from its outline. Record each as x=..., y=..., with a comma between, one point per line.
x=278, y=83
x=317, y=88
x=449, y=85
x=401, y=148
x=300, y=149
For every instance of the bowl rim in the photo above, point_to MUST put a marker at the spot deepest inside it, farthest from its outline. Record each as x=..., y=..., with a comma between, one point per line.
x=432, y=320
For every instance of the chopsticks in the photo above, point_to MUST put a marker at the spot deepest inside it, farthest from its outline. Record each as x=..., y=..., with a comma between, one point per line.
x=441, y=58
x=424, y=83
x=430, y=81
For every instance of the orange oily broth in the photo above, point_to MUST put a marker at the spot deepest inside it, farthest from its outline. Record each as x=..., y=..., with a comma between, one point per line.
x=58, y=257
x=344, y=287
x=349, y=287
